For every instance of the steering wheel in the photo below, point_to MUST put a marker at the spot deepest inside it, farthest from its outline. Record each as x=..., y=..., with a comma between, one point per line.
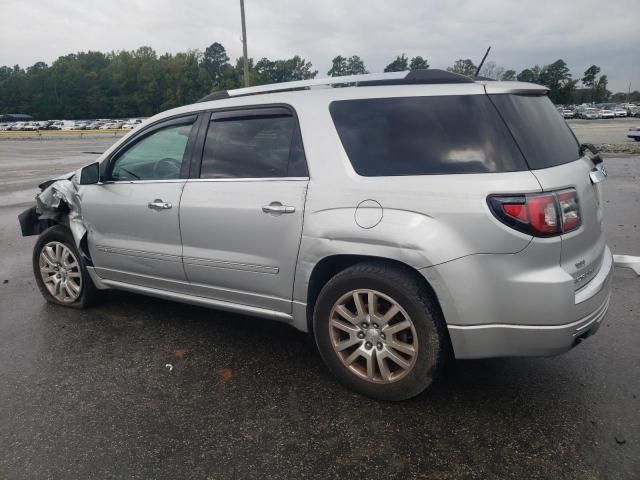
x=167, y=169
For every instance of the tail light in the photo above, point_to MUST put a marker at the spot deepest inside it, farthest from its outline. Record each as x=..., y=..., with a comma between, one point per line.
x=538, y=214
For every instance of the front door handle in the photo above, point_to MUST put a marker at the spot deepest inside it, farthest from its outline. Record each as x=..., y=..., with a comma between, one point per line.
x=158, y=204
x=277, y=208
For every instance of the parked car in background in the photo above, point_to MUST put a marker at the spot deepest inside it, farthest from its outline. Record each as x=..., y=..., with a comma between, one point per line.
x=567, y=113
x=606, y=113
x=462, y=227
x=31, y=127
x=620, y=112
x=588, y=114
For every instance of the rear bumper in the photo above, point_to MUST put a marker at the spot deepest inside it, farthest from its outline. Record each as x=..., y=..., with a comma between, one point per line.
x=486, y=341
x=537, y=315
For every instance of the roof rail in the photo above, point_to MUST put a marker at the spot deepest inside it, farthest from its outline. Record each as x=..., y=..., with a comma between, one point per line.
x=413, y=77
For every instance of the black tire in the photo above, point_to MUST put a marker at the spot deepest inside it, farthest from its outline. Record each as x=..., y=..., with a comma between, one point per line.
x=89, y=294
x=405, y=288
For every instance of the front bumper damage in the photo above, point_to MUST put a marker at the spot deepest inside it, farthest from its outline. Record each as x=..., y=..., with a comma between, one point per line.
x=58, y=203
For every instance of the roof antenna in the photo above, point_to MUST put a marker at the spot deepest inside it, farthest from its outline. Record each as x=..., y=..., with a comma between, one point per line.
x=482, y=62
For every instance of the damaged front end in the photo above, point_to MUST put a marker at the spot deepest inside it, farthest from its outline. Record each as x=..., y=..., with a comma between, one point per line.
x=57, y=204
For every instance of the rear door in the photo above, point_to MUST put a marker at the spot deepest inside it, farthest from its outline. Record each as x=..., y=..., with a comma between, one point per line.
x=241, y=212
x=553, y=154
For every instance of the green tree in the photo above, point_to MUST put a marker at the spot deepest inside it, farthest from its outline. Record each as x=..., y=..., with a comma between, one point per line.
x=589, y=79
x=400, y=64
x=463, y=67
x=601, y=92
x=276, y=71
x=531, y=75
x=214, y=61
x=557, y=77
x=341, y=66
x=418, y=63
x=338, y=67
x=509, y=75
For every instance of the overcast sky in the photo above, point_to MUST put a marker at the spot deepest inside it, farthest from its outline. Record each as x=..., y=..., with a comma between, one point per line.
x=522, y=33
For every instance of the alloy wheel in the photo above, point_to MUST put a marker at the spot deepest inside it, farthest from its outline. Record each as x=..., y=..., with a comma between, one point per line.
x=373, y=336
x=60, y=271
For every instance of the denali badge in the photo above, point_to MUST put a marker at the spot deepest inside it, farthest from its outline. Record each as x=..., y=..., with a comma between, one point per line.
x=583, y=276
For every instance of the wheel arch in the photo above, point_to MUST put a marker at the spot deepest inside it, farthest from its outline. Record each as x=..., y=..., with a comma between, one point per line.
x=331, y=265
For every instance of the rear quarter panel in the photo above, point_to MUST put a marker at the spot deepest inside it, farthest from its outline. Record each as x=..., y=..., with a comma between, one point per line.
x=424, y=220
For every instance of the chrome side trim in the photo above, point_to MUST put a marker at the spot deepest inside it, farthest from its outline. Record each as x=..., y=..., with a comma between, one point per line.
x=265, y=179
x=118, y=182
x=200, y=301
x=244, y=267
x=140, y=253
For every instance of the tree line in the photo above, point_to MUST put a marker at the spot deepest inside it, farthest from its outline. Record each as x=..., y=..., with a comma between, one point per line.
x=142, y=83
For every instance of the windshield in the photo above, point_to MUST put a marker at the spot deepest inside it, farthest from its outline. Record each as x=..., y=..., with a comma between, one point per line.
x=542, y=134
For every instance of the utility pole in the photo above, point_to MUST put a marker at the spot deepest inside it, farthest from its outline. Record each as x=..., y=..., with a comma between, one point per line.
x=244, y=45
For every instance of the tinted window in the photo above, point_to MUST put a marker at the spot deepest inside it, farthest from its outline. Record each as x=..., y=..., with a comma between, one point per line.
x=253, y=147
x=425, y=135
x=157, y=156
x=542, y=134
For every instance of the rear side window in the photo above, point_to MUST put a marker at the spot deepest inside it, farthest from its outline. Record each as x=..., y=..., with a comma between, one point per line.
x=425, y=136
x=253, y=147
x=542, y=134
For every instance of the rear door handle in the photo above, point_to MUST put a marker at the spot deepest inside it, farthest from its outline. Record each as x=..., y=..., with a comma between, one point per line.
x=158, y=204
x=277, y=208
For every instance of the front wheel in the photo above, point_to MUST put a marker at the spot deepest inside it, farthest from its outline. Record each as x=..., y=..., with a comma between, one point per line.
x=379, y=331
x=60, y=270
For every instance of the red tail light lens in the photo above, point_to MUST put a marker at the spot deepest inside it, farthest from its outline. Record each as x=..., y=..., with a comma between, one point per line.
x=569, y=210
x=542, y=215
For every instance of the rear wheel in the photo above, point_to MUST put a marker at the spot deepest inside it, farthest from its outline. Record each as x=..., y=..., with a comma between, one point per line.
x=379, y=331
x=60, y=271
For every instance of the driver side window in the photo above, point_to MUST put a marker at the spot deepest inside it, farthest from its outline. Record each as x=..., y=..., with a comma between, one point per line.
x=157, y=156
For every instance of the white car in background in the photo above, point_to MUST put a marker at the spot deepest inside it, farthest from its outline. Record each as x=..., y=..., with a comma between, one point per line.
x=606, y=113
x=588, y=114
x=634, y=132
x=620, y=112
x=567, y=113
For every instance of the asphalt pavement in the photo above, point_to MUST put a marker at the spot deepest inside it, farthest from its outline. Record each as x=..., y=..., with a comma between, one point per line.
x=142, y=388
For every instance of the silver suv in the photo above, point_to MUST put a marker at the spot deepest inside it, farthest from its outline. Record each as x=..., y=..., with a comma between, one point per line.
x=401, y=219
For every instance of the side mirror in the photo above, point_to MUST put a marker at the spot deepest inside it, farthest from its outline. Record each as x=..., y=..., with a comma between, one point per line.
x=90, y=175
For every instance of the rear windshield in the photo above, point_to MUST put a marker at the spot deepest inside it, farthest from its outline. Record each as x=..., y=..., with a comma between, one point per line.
x=425, y=136
x=542, y=134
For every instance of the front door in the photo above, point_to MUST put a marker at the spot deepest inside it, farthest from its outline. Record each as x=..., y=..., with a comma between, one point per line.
x=241, y=217
x=132, y=215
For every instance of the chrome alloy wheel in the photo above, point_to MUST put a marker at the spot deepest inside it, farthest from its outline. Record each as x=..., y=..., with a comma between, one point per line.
x=373, y=336
x=60, y=272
